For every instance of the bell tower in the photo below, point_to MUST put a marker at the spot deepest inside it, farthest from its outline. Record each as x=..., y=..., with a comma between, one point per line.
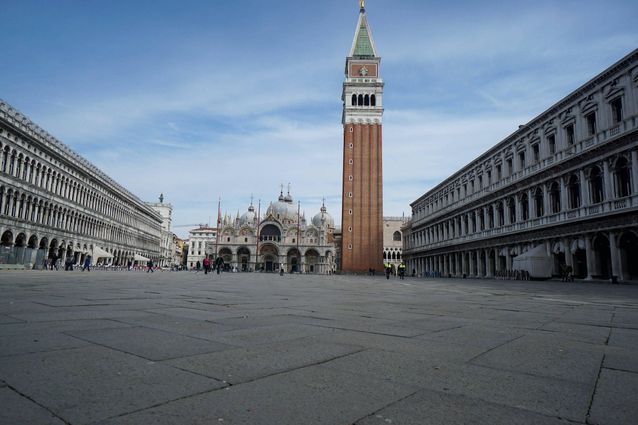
x=362, y=192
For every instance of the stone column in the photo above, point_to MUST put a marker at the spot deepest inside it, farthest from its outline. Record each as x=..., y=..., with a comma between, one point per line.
x=569, y=260
x=615, y=257
x=508, y=259
x=564, y=199
x=479, y=264
x=488, y=264
x=589, y=252
x=506, y=213
x=531, y=211
x=471, y=271
x=519, y=208
x=634, y=171
x=497, y=259
x=486, y=223
x=607, y=181
x=584, y=188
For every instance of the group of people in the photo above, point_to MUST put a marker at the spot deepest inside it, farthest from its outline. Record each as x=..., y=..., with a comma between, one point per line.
x=210, y=266
x=389, y=269
x=53, y=263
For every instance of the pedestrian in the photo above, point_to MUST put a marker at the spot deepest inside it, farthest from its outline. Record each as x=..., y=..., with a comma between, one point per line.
x=129, y=265
x=198, y=266
x=87, y=264
x=219, y=263
x=206, y=265
x=149, y=266
x=388, y=270
x=402, y=271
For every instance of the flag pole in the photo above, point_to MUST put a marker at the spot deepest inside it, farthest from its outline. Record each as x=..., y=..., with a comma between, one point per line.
x=219, y=223
x=299, y=231
x=257, y=238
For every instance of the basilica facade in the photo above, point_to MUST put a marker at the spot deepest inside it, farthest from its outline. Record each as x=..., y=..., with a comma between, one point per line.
x=54, y=204
x=563, y=187
x=282, y=238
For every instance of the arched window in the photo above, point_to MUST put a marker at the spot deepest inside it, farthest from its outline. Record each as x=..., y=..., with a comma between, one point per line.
x=554, y=198
x=539, y=202
x=596, y=185
x=385, y=255
x=354, y=100
x=366, y=100
x=622, y=178
x=573, y=192
x=360, y=100
x=396, y=236
x=490, y=217
x=500, y=211
x=525, y=207
x=373, y=100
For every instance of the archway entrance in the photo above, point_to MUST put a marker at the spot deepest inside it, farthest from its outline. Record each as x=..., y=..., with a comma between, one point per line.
x=243, y=254
x=628, y=244
x=293, y=260
x=312, y=261
x=269, y=255
x=602, y=257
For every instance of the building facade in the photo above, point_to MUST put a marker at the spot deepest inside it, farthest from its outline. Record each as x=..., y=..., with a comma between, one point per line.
x=281, y=238
x=566, y=181
x=56, y=204
x=362, y=187
x=167, y=248
x=198, y=240
x=393, y=240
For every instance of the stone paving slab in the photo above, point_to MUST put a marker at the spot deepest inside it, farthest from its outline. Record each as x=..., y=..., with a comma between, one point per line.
x=148, y=343
x=547, y=396
x=435, y=408
x=314, y=349
x=298, y=397
x=247, y=364
x=548, y=355
x=92, y=383
x=615, y=401
x=17, y=409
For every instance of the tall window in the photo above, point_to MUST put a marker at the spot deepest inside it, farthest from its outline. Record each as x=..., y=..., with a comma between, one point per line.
x=511, y=206
x=521, y=160
x=499, y=172
x=622, y=178
x=539, y=202
x=537, y=153
x=510, y=167
x=573, y=192
x=554, y=197
x=551, y=143
x=596, y=185
x=396, y=236
x=616, y=110
x=525, y=207
x=591, y=123
x=569, y=134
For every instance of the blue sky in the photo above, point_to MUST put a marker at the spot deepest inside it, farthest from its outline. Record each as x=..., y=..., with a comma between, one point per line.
x=200, y=99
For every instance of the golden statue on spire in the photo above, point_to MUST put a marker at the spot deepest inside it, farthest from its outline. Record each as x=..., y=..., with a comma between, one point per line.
x=362, y=4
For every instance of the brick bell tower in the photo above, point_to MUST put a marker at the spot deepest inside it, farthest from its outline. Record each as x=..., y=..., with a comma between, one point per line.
x=362, y=199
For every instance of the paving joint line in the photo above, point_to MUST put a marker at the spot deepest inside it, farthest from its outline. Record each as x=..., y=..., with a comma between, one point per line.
x=600, y=370
x=493, y=348
x=12, y=388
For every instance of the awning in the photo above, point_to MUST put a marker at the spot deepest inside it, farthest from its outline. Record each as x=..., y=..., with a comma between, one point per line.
x=100, y=253
x=138, y=257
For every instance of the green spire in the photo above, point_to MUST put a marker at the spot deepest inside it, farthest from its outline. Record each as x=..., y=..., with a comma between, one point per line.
x=363, y=46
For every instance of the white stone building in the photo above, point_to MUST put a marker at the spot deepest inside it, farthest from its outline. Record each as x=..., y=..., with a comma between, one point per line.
x=282, y=238
x=198, y=239
x=393, y=240
x=167, y=248
x=567, y=181
x=56, y=204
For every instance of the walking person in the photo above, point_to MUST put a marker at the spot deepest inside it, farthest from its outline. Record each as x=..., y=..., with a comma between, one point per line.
x=388, y=270
x=219, y=263
x=149, y=266
x=402, y=271
x=87, y=264
x=206, y=265
x=198, y=266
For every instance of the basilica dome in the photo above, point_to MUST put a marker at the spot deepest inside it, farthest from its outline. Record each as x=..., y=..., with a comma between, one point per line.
x=283, y=209
x=323, y=217
x=248, y=218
